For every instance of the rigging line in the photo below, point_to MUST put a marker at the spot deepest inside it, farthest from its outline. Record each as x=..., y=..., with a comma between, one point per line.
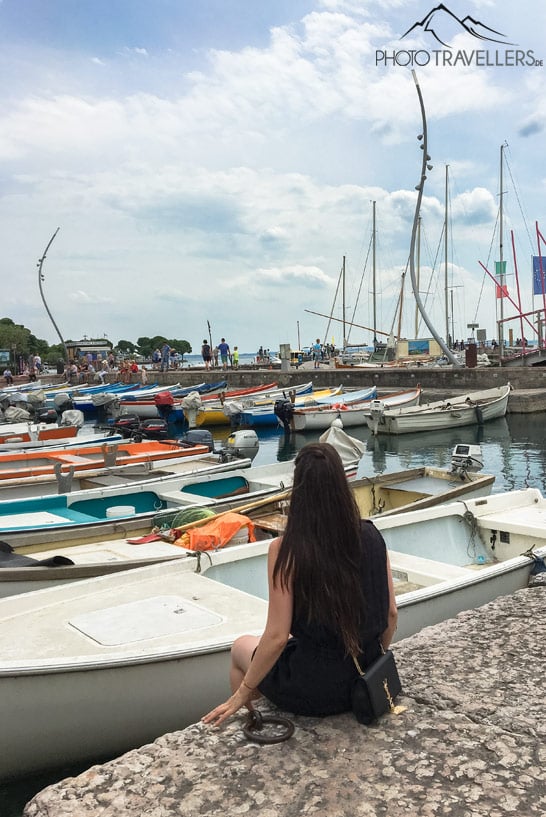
x=519, y=202
x=361, y=279
x=484, y=277
x=429, y=292
x=334, y=303
x=400, y=304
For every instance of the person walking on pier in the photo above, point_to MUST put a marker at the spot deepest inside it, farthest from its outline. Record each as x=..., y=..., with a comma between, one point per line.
x=223, y=349
x=206, y=353
x=317, y=353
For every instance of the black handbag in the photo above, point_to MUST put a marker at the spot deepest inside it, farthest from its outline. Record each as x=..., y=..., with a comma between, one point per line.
x=375, y=690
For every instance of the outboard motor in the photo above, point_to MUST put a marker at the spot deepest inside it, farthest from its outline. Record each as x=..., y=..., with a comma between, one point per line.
x=4, y=400
x=45, y=415
x=127, y=424
x=72, y=417
x=377, y=411
x=107, y=405
x=164, y=402
x=198, y=436
x=234, y=410
x=62, y=402
x=16, y=414
x=243, y=443
x=20, y=400
x=466, y=458
x=284, y=410
x=153, y=429
x=191, y=404
x=36, y=402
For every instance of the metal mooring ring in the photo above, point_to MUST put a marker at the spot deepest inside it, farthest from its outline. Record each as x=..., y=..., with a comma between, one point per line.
x=255, y=723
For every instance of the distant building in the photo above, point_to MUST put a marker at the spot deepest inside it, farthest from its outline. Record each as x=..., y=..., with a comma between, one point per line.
x=80, y=349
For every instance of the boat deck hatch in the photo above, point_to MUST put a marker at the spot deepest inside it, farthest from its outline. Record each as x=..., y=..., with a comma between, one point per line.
x=153, y=617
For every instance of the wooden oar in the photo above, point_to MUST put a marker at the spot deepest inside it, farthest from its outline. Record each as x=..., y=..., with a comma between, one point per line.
x=258, y=503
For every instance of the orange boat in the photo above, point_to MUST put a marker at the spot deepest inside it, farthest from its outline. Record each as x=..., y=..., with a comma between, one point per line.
x=87, y=457
x=51, y=433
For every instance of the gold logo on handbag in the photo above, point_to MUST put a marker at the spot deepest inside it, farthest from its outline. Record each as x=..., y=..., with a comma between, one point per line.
x=375, y=689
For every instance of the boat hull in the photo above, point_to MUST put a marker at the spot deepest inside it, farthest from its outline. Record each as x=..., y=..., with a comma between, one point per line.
x=94, y=668
x=350, y=415
x=472, y=409
x=384, y=495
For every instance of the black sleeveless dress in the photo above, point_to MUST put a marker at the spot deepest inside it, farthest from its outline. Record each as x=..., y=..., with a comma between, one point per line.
x=312, y=675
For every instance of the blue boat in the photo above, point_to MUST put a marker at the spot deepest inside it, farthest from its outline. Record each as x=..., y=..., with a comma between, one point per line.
x=134, y=506
x=261, y=416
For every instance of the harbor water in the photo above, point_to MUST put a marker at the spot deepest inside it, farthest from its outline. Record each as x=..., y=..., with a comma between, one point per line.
x=513, y=449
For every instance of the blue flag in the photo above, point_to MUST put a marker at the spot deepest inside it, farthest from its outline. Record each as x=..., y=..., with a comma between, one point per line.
x=538, y=278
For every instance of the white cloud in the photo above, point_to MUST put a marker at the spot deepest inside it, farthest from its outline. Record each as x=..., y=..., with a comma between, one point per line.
x=180, y=193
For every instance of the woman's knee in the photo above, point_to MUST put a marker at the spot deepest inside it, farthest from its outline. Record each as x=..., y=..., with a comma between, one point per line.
x=243, y=650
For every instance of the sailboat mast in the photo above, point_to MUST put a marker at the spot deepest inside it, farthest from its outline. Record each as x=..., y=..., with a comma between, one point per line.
x=501, y=251
x=343, y=300
x=374, y=293
x=446, y=281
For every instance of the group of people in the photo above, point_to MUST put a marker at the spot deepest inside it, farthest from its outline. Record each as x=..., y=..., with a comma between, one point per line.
x=222, y=352
x=166, y=358
x=88, y=369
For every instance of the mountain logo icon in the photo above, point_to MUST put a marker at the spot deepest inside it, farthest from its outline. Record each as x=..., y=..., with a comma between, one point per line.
x=443, y=25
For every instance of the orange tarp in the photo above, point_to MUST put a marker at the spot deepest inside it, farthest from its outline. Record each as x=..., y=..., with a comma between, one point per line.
x=216, y=533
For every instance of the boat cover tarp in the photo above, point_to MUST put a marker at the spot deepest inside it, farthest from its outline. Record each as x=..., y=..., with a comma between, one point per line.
x=348, y=448
x=216, y=533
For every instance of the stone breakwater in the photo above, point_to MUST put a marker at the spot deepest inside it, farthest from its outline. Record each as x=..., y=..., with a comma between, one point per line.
x=471, y=743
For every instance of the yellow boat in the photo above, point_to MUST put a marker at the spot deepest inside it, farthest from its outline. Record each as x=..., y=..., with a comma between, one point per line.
x=215, y=415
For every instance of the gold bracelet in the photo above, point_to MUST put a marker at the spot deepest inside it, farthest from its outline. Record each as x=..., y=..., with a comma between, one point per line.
x=244, y=683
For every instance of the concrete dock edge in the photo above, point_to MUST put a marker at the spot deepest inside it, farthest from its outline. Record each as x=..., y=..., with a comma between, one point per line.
x=471, y=742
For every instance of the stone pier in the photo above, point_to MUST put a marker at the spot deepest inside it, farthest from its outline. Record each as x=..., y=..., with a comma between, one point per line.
x=470, y=743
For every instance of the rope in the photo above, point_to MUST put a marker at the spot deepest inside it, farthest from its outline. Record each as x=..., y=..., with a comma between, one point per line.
x=197, y=554
x=255, y=723
x=469, y=517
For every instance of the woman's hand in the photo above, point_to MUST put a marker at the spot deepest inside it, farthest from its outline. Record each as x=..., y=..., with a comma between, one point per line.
x=241, y=697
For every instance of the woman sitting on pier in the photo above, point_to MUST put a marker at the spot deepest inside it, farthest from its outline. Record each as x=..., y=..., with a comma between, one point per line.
x=331, y=597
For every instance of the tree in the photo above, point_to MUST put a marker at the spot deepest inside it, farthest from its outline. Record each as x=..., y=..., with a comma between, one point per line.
x=145, y=346
x=182, y=346
x=15, y=338
x=125, y=347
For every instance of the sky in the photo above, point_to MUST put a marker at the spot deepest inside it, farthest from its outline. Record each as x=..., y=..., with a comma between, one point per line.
x=214, y=162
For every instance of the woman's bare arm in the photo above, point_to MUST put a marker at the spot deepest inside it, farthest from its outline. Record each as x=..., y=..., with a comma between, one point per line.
x=392, y=617
x=271, y=645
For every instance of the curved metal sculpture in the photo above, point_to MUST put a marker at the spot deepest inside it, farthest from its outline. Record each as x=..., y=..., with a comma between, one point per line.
x=419, y=187
x=40, y=280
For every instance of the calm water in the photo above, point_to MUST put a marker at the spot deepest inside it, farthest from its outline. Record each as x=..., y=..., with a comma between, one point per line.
x=514, y=449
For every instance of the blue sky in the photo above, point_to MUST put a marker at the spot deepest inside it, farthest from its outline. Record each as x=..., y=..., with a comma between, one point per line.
x=215, y=160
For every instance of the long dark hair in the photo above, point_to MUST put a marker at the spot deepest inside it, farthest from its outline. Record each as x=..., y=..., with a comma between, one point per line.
x=320, y=551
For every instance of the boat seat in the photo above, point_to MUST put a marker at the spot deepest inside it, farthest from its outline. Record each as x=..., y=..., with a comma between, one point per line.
x=218, y=488
x=178, y=498
x=72, y=459
x=72, y=515
x=42, y=519
x=528, y=520
x=274, y=522
x=425, y=571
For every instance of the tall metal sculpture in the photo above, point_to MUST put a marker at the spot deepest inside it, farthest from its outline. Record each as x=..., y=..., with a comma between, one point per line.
x=40, y=281
x=419, y=187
